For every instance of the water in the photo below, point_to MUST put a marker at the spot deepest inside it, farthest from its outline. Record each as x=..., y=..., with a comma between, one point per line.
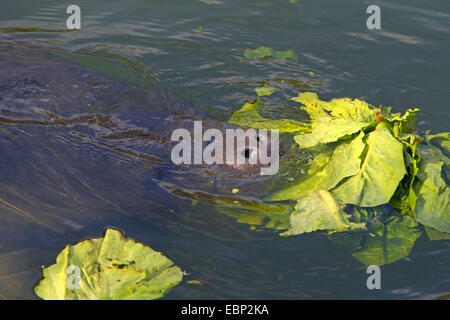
x=77, y=188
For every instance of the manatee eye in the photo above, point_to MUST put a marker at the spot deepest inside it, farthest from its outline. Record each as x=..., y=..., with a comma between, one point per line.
x=248, y=153
x=261, y=138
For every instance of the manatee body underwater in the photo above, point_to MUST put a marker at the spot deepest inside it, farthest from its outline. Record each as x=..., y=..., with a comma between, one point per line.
x=80, y=152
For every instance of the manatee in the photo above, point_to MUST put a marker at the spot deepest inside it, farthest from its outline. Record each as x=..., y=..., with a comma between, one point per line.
x=82, y=151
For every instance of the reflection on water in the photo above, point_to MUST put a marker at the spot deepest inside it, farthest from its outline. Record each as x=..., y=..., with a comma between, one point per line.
x=84, y=143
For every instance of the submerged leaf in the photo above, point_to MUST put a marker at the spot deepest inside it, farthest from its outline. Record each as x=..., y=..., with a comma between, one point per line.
x=263, y=217
x=435, y=235
x=443, y=141
x=248, y=211
x=393, y=241
x=319, y=211
x=108, y=268
x=381, y=171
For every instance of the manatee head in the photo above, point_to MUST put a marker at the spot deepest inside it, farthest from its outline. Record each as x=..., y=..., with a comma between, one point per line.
x=250, y=176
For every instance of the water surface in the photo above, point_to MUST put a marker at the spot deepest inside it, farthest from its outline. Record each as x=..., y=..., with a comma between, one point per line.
x=59, y=188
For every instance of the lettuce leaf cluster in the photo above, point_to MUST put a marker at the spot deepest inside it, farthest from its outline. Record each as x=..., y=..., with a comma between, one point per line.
x=365, y=156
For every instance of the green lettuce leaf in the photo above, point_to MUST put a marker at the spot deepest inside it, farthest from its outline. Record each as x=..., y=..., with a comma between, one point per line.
x=333, y=120
x=340, y=108
x=381, y=171
x=404, y=198
x=319, y=211
x=344, y=162
x=248, y=116
x=404, y=124
x=264, y=91
x=433, y=195
x=326, y=130
x=110, y=268
x=265, y=52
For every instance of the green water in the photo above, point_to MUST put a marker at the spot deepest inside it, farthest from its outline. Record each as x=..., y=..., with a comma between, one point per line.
x=195, y=51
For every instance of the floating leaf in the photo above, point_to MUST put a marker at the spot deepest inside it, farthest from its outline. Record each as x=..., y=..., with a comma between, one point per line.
x=381, y=171
x=433, y=195
x=340, y=108
x=328, y=130
x=264, y=91
x=404, y=124
x=289, y=54
x=344, y=162
x=109, y=268
x=333, y=120
x=259, y=53
x=404, y=198
x=248, y=116
x=265, y=52
x=319, y=211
